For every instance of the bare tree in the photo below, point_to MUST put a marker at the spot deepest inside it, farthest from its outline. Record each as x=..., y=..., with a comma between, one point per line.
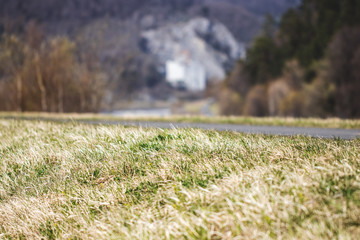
x=12, y=57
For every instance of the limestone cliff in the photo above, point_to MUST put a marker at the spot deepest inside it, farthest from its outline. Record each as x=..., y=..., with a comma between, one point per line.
x=207, y=42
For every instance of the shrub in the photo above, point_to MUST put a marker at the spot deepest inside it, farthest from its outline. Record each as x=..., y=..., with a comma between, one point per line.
x=293, y=104
x=277, y=92
x=256, y=102
x=231, y=102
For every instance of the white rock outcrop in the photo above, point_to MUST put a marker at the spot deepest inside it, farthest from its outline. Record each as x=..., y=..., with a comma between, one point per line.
x=206, y=42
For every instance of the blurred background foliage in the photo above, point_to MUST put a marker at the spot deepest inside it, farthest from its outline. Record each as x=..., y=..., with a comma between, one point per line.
x=306, y=65
x=39, y=74
x=303, y=57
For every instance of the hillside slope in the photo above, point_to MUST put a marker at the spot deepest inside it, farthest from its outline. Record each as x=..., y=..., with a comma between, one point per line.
x=243, y=18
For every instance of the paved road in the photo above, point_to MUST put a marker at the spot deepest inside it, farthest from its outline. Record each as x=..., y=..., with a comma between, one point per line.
x=269, y=130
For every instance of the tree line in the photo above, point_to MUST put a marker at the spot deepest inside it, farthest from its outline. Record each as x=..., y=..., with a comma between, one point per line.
x=307, y=64
x=47, y=74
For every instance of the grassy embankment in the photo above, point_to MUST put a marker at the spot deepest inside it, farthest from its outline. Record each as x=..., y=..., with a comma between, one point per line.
x=76, y=181
x=269, y=121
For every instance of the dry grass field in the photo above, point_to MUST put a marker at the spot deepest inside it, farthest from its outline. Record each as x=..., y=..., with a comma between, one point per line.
x=77, y=181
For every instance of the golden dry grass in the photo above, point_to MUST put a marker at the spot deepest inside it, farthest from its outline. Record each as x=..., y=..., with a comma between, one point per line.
x=75, y=181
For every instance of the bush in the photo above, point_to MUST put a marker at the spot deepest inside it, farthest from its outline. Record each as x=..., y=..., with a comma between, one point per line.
x=256, y=102
x=293, y=104
x=231, y=103
x=277, y=92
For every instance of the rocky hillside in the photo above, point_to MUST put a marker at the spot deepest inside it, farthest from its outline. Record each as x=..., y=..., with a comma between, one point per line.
x=201, y=40
x=242, y=17
x=118, y=32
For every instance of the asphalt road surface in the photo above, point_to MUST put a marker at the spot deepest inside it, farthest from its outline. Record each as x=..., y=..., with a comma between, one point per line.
x=267, y=130
x=330, y=133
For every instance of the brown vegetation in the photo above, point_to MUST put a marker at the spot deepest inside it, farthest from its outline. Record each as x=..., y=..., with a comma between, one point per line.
x=232, y=102
x=38, y=74
x=288, y=95
x=277, y=92
x=344, y=57
x=255, y=103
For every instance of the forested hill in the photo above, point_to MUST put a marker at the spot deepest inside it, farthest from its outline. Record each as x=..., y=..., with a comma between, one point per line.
x=309, y=66
x=242, y=17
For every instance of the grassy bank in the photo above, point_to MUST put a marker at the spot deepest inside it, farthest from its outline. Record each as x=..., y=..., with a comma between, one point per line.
x=74, y=181
x=269, y=121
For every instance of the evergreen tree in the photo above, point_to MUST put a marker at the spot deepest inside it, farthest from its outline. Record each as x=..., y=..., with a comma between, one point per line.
x=264, y=60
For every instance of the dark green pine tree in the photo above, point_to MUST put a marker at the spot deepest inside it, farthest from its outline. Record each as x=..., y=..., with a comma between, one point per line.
x=307, y=30
x=264, y=60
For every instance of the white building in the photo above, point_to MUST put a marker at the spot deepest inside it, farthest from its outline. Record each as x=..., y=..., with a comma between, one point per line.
x=188, y=74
